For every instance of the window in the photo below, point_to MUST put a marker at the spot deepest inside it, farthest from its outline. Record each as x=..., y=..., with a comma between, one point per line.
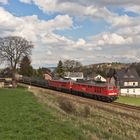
x=125, y=76
x=126, y=83
x=131, y=76
x=110, y=88
x=133, y=90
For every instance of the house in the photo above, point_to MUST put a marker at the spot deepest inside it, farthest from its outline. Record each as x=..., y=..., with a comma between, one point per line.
x=96, y=77
x=47, y=74
x=128, y=81
x=74, y=75
x=2, y=80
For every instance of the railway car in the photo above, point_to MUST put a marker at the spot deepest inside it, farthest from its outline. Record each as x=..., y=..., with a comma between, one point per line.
x=61, y=85
x=34, y=82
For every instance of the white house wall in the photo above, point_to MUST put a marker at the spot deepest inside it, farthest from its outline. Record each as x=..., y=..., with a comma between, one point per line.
x=100, y=77
x=130, y=83
x=134, y=91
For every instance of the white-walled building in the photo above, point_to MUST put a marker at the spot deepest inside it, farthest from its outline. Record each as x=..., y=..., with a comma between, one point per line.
x=129, y=81
x=98, y=77
x=74, y=75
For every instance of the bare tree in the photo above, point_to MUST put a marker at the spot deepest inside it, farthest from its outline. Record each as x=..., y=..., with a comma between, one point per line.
x=12, y=51
x=72, y=65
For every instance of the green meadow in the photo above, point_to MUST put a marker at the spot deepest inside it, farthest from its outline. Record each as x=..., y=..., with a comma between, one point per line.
x=129, y=100
x=23, y=118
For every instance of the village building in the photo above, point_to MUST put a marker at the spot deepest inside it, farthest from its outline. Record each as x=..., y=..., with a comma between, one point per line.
x=100, y=78
x=2, y=80
x=74, y=75
x=47, y=75
x=127, y=80
x=96, y=77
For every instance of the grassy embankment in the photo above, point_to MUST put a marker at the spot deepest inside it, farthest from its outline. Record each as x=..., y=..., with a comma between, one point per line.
x=48, y=117
x=23, y=118
x=129, y=100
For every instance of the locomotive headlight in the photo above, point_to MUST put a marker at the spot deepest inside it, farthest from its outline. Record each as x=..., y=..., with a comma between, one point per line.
x=112, y=93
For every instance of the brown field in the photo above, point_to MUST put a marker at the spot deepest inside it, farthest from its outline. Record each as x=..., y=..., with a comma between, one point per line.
x=97, y=121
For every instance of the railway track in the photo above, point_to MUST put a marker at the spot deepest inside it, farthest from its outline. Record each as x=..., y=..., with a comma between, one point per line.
x=132, y=107
x=107, y=107
x=98, y=103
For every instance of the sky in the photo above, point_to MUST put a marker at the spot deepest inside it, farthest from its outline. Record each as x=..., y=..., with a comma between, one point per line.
x=89, y=31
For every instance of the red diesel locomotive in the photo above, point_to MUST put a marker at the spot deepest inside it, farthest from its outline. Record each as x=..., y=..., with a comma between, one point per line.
x=99, y=91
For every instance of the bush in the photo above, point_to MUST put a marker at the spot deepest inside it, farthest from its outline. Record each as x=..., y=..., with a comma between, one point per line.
x=66, y=105
x=86, y=111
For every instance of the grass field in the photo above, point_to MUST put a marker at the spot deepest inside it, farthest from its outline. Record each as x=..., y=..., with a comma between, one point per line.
x=23, y=118
x=43, y=116
x=129, y=100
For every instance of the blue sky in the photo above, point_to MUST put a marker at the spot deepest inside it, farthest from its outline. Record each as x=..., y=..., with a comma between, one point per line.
x=90, y=32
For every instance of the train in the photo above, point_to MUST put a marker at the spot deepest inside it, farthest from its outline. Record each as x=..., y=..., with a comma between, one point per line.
x=99, y=91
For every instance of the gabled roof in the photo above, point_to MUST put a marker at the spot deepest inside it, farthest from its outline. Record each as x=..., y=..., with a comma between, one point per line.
x=73, y=74
x=127, y=74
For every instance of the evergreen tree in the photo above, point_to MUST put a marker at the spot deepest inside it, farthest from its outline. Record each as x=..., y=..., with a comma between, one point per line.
x=40, y=73
x=60, y=70
x=25, y=67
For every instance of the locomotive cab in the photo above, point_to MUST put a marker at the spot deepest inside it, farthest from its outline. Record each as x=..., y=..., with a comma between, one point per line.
x=112, y=93
x=111, y=90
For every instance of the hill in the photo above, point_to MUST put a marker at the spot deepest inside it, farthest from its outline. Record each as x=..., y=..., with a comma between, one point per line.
x=102, y=68
x=113, y=65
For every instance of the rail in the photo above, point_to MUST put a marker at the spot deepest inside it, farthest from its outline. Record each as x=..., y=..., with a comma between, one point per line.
x=127, y=106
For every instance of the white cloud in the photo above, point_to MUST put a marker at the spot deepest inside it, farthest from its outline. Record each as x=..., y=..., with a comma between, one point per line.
x=79, y=8
x=134, y=8
x=113, y=39
x=30, y=26
x=93, y=9
x=26, y=1
x=118, y=2
x=81, y=42
x=4, y=1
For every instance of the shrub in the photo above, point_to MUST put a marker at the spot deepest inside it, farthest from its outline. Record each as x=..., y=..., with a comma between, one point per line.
x=66, y=105
x=86, y=111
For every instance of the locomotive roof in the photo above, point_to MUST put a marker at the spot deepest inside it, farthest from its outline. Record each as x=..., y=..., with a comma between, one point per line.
x=95, y=84
x=90, y=83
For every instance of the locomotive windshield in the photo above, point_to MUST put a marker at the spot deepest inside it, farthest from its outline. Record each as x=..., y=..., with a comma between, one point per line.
x=110, y=88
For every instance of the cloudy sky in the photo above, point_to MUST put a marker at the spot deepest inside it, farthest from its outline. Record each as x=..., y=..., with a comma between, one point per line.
x=90, y=31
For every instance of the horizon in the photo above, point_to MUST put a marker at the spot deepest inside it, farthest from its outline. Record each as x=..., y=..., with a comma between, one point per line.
x=54, y=66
